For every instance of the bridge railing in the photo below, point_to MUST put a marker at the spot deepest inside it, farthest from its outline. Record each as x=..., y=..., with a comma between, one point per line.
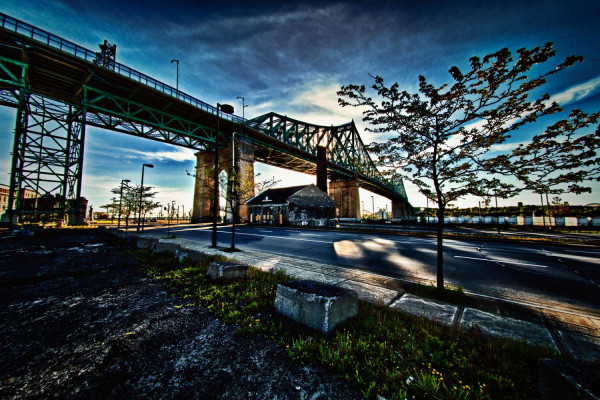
x=40, y=35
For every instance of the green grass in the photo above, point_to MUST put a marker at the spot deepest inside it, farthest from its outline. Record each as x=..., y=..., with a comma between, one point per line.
x=381, y=352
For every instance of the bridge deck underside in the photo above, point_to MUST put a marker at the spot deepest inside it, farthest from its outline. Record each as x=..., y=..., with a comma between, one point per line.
x=119, y=102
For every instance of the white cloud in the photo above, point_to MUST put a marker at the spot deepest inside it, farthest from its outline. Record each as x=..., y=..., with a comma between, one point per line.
x=261, y=108
x=577, y=92
x=178, y=154
x=506, y=147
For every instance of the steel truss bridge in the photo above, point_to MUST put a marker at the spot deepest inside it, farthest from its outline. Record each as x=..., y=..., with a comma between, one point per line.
x=59, y=87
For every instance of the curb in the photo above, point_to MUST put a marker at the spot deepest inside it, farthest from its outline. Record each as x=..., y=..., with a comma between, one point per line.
x=581, y=346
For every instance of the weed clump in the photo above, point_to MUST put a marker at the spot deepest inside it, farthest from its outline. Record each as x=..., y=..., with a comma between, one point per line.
x=382, y=352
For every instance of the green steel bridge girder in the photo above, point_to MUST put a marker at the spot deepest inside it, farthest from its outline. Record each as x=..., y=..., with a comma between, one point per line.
x=345, y=148
x=13, y=72
x=120, y=114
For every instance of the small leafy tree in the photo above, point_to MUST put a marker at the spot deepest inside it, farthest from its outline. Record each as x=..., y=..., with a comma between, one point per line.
x=443, y=135
x=131, y=200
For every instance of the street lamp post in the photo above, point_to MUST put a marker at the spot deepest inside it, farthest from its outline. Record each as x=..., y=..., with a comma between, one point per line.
x=121, y=200
x=244, y=105
x=177, y=80
x=227, y=109
x=373, y=201
x=141, y=193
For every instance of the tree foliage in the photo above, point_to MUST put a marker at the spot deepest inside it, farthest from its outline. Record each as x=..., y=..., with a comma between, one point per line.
x=558, y=160
x=130, y=201
x=442, y=135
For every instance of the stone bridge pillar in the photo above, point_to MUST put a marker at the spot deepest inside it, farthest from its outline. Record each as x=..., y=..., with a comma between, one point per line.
x=203, y=191
x=346, y=195
x=400, y=209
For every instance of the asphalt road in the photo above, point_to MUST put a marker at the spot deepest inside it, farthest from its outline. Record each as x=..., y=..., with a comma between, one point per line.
x=563, y=276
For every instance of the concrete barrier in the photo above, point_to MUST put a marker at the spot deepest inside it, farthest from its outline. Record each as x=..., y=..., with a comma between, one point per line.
x=162, y=247
x=316, y=305
x=193, y=255
x=146, y=243
x=227, y=270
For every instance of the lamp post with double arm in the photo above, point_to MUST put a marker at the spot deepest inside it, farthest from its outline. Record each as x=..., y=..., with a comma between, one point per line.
x=141, y=193
x=177, y=79
x=123, y=181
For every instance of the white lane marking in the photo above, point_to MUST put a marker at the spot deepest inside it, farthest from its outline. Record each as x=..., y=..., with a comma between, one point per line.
x=585, y=252
x=503, y=261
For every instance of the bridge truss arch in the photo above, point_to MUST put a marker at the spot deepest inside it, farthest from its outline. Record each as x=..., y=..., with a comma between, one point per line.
x=347, y=155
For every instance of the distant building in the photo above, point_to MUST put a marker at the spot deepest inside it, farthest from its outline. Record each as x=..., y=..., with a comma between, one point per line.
x=297, y=205
x=5, y=191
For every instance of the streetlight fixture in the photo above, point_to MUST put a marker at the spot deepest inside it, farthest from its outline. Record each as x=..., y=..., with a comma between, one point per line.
x=141, y=193
x=121, y=200
x=373, y=201
x=244, y=105
x=177, y=80
x=234, y=194
x=227, y=109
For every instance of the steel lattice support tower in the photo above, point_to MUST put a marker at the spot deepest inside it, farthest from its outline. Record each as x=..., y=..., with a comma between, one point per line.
x=47, y=158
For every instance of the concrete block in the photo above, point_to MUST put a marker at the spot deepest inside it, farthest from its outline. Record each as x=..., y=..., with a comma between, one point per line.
x=316, y=305
x=162, y=247
x=227, y=270
x=370, y=293
x=193, y=255
x=434, y=310
x=582, y=347
x=566, y=380
x=146, y=243
x=498, y=325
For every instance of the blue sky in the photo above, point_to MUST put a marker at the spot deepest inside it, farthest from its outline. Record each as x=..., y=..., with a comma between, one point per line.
x=292, y=57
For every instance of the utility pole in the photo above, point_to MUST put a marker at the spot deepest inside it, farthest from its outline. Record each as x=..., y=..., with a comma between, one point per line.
x=177, y=79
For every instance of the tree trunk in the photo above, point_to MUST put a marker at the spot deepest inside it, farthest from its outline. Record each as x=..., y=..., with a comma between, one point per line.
x=233, y=228
x=440, y=249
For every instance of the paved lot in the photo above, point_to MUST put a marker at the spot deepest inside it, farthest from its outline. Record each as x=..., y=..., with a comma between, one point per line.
x=80, y=321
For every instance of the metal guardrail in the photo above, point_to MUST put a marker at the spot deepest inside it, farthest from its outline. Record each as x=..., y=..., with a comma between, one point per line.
x=44, y=37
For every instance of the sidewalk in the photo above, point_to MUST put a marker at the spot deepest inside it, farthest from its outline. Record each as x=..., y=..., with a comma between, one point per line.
x=574, y=333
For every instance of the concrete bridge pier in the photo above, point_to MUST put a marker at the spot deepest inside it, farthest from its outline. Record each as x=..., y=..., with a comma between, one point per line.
x=400, y=209
x=203, y=190
x=346, y=195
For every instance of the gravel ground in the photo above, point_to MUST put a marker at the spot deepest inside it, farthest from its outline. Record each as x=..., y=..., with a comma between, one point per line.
x=79, y=320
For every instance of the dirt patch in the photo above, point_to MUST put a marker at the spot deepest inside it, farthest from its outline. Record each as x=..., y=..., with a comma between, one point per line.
x=79, y=320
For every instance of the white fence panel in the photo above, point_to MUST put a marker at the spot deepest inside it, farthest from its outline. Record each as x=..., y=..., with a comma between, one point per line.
x=570, y=221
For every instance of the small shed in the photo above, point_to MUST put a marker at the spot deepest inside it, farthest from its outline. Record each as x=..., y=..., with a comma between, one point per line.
x=297, y=205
